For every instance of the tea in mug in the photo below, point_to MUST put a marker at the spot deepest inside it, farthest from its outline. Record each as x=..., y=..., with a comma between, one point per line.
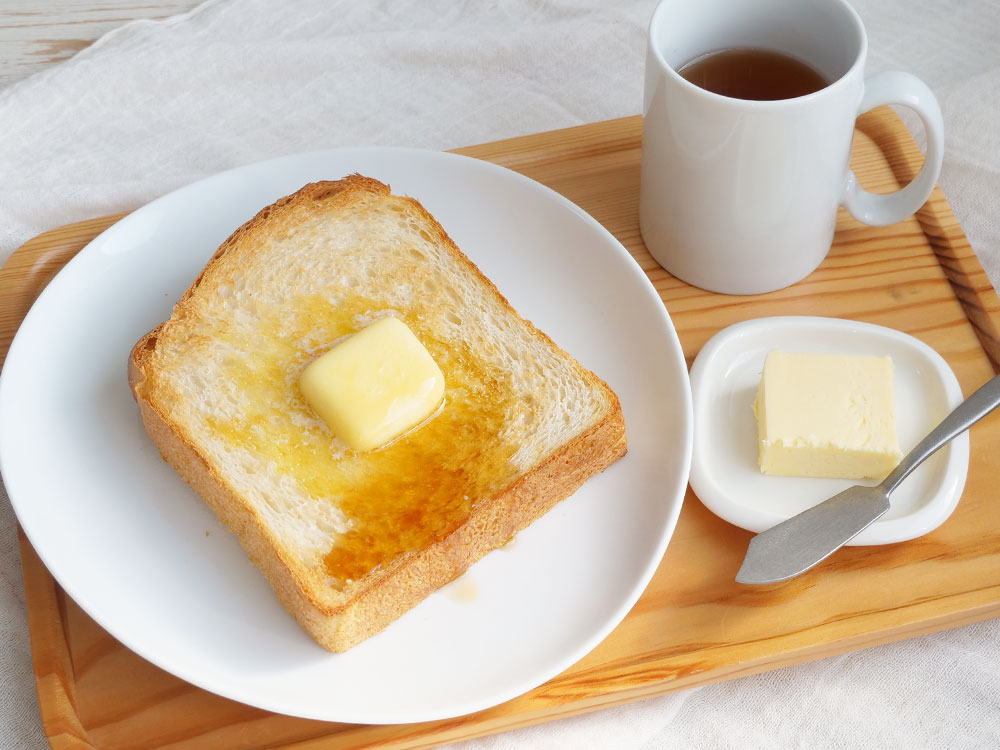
x=752, y=73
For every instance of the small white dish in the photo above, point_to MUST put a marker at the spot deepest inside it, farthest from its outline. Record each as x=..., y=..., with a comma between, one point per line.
x=724, y=471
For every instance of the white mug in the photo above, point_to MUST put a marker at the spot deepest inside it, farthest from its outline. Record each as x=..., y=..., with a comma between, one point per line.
x=741, y=196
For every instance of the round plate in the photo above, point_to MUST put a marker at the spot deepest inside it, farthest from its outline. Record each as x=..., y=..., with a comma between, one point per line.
x=725, y=474
x=138, y=550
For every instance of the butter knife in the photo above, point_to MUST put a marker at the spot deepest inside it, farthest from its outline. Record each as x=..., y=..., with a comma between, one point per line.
x=795, y=545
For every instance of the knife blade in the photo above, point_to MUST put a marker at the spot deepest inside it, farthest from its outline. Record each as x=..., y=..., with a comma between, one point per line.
x=795, y=545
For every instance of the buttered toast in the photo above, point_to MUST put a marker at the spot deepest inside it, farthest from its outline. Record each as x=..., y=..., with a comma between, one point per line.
x=350, y=540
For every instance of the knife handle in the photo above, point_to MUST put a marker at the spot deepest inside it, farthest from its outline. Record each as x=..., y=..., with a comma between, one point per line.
x=966, y=414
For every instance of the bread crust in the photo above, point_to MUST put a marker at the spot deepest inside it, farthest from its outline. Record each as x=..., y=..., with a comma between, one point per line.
x=340, y=620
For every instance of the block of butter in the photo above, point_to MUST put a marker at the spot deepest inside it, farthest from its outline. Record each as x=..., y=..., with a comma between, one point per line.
x=826, y=415
x=375, y=385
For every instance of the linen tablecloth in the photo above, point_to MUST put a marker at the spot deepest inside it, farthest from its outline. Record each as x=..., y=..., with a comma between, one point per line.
x=155, y=105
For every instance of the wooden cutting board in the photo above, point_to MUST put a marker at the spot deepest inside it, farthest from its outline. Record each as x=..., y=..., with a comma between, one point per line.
x=693, y=625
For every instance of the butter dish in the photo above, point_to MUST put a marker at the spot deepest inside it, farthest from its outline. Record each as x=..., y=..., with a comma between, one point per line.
x=724, y=472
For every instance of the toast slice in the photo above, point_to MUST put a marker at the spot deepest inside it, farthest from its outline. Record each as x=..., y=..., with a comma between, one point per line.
x=349, y=540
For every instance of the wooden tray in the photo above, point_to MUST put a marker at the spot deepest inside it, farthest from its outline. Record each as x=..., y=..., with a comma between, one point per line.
x=693, y=625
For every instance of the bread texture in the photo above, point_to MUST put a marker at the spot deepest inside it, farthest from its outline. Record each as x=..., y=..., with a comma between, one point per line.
x=350, y=541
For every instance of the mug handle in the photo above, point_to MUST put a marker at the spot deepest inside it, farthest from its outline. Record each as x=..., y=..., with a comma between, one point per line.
x=909, y=91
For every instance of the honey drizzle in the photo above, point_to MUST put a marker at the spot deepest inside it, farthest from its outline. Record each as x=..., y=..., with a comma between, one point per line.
x=402, y=497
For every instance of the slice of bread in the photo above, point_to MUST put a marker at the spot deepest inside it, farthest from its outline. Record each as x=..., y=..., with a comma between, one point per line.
x=350, y=541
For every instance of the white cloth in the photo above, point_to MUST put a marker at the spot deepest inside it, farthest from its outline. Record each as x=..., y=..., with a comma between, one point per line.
x=155, y=105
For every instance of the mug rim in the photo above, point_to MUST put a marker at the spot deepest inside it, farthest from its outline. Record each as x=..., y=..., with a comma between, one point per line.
x=857, y=66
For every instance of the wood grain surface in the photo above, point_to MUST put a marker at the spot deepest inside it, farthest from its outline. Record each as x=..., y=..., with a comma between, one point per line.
x=693, y=624
x=35, y=34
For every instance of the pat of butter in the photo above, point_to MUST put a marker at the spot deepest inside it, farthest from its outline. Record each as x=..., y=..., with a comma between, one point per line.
x=374, y=385
x=826, y=415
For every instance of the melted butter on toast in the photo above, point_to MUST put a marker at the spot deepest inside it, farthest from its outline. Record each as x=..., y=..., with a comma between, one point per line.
x=404, y=496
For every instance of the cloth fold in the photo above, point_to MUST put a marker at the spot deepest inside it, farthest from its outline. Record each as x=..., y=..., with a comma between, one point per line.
x=155, y=105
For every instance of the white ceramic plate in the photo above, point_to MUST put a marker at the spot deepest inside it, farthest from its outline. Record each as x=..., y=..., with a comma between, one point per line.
x=724, y=471
x=137, y=549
